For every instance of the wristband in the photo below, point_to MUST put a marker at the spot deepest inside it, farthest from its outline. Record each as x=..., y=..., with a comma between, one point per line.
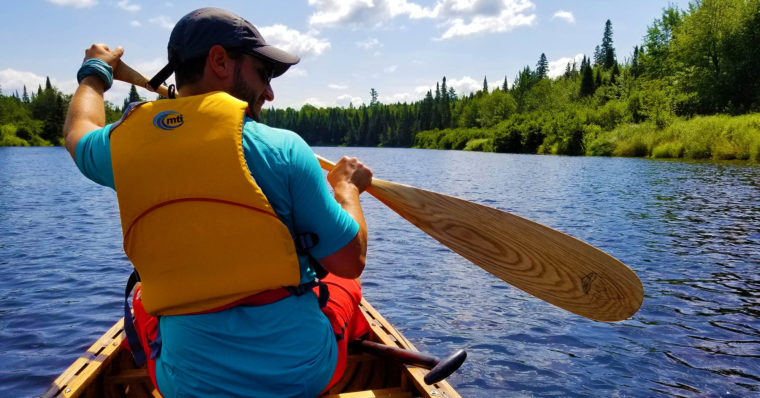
x=97, y=67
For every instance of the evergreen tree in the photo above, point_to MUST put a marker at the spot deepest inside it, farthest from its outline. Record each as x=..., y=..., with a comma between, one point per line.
x=635, y=62
x=48, y=86
x=505, y=86
x=598, y=78
x=373, y=97
x=444, y=106
x=134, y=96
x=25, y=96
x=607, y=50
x=597, y=56
x=452, y=94
x=485, y=85
x=587, y=78
x=542, y=67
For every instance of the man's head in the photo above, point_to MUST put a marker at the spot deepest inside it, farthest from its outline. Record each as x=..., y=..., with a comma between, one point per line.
x=207, y=34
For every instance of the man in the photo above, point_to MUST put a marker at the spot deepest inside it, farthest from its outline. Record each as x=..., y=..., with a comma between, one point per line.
x=198, y=231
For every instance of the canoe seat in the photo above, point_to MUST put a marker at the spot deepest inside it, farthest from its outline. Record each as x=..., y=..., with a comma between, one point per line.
x=383, y=392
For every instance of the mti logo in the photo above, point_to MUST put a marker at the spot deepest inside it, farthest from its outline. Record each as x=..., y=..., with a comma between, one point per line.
x=168, y=120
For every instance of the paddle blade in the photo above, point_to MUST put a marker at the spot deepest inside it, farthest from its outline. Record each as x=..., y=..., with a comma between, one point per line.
x=539, y=260
x=546, y=263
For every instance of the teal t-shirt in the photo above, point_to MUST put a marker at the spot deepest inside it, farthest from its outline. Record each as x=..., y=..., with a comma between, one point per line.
x=284, y=349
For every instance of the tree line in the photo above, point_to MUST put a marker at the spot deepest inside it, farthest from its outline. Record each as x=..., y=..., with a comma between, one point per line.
x=703, y=60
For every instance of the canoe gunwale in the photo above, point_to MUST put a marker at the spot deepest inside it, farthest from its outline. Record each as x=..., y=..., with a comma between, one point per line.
x=90, y=374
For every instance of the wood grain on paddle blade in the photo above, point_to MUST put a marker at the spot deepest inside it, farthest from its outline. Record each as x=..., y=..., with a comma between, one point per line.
x=539, y=260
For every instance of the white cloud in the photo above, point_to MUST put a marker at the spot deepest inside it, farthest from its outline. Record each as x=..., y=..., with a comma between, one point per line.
x=465, y=85
x=12, y=80
x=337, y=86
x=75, y=3
x=391, y=69
x=163, y=22
x=293, y=41
x=369, y=44
x=400, y=97
x=567, y=16
x=126, y=5
x=485, y=16
x=361, y=12
x=136, y=23
x=316, y=102
x=346, y=99
x=557, y=67
x=459, y=17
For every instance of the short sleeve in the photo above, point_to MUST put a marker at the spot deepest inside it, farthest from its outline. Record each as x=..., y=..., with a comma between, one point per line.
x=93, y=156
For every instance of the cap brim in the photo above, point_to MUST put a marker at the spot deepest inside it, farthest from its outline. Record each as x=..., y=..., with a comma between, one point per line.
x=281, y=60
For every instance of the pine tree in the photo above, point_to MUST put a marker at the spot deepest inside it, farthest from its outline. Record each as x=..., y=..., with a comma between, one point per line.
x=25, y=96
x=452, y=94
x=542, y=67
x=485, y=85
x=636, y=62
x=373, y=97
x=607, y=50
x=597, y=55
x=48, y=86
x=505, y=85
x=445, y=109
x=587, y=78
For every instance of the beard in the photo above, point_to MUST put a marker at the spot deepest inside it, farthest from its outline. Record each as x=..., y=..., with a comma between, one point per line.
x=245, y=92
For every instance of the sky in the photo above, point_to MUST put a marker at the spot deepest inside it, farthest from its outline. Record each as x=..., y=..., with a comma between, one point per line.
x=401, y=48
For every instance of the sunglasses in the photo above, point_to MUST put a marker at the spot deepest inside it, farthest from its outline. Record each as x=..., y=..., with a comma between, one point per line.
x=266, y=71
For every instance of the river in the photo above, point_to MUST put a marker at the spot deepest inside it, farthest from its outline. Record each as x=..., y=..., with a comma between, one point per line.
x=691, y=231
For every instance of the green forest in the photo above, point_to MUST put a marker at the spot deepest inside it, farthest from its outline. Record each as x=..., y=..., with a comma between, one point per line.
x=691, y=89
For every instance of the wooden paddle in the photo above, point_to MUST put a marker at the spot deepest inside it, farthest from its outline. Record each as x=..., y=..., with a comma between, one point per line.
x=546, y=263
x=541, y=261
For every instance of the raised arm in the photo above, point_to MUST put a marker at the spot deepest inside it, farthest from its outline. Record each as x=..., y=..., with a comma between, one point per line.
x=87, y=109
x=349, y=179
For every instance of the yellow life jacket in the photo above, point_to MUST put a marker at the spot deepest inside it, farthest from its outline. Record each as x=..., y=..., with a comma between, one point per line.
x=197, y=228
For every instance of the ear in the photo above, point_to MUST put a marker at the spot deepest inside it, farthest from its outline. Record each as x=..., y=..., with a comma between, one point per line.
x=219, y=63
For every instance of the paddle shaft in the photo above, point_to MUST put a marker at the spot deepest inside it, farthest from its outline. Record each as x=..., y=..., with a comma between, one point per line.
x=126, y=74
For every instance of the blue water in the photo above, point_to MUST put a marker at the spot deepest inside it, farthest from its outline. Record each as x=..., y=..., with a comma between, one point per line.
x=691, y=231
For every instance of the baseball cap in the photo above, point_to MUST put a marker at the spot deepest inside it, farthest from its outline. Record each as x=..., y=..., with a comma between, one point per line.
x=195, y=34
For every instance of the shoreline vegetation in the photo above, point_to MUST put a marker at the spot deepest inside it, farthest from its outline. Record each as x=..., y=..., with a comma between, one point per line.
x=691, y=90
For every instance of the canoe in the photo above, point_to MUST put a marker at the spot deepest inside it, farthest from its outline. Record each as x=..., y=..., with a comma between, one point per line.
x=107, y=370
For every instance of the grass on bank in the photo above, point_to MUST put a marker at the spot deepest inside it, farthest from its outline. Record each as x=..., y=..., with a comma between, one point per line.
x=12, y=135
x=717, y=137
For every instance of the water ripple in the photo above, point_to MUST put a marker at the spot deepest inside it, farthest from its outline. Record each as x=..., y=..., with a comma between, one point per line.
x=691, y=231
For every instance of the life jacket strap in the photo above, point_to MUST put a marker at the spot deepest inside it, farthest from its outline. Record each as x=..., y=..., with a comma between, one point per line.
x=129, y=325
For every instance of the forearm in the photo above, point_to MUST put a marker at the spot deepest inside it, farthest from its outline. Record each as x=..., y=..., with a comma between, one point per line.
x=347, y=196
x=349, y=178
x=86, y=112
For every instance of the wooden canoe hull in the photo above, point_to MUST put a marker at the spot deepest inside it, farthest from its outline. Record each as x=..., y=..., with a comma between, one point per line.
x=107, y=370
